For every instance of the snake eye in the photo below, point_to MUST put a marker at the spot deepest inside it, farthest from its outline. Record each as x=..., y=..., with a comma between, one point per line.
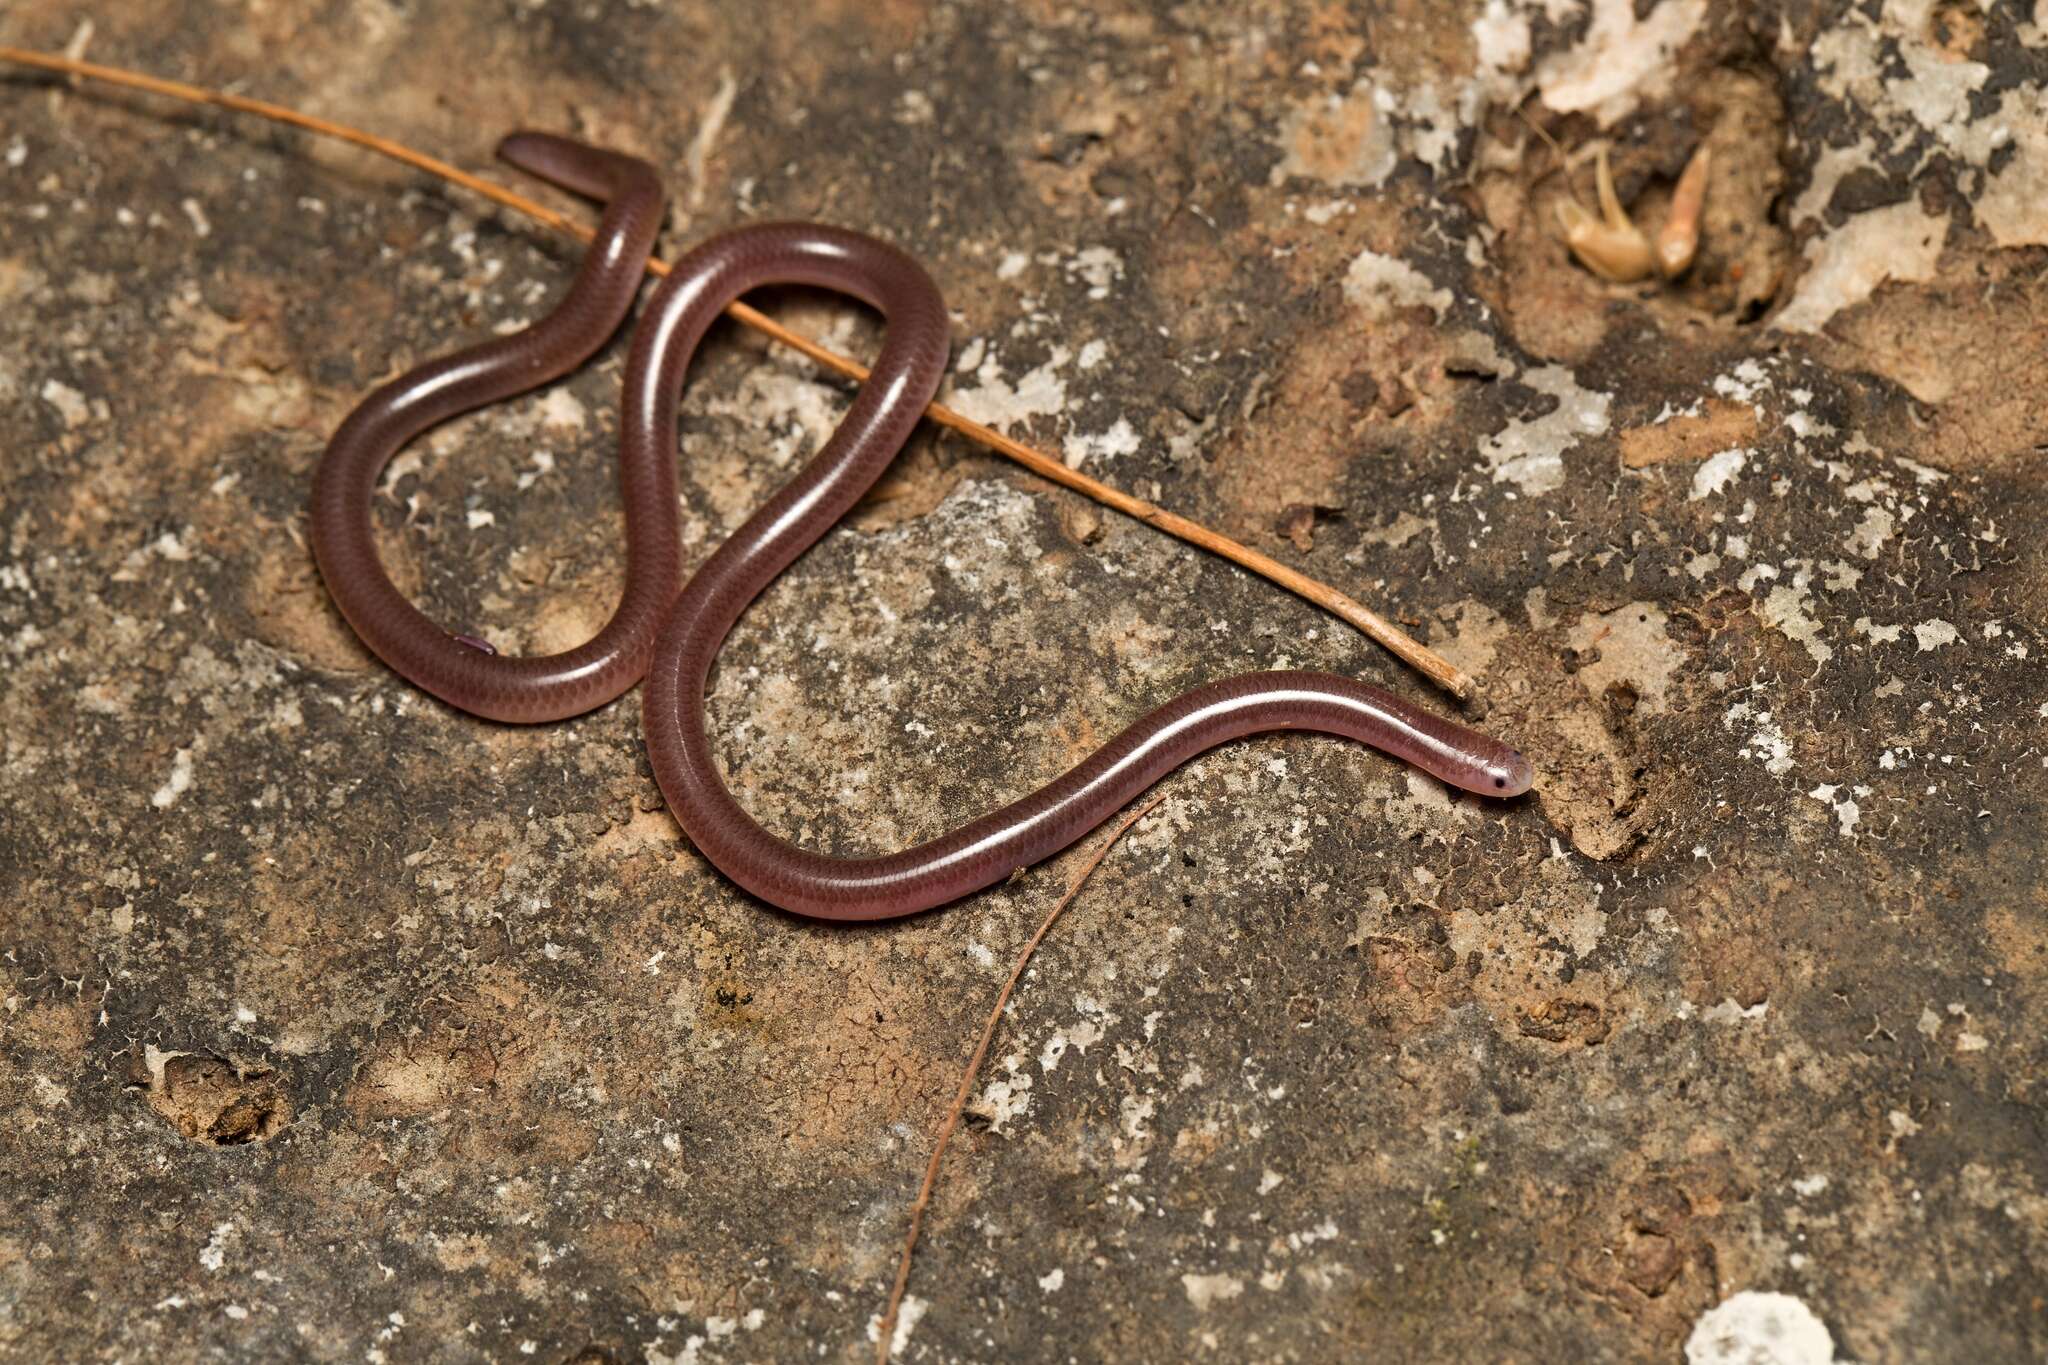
x=1500, y=781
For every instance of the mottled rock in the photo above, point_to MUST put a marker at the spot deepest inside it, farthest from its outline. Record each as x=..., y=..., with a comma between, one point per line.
x=336, y=1024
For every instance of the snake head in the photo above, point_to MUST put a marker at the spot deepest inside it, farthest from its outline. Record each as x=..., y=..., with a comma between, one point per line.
x=1509, y=774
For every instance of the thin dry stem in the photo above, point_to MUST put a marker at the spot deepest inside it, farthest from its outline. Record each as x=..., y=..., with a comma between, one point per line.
x=1430, y=664
x=988, y=1033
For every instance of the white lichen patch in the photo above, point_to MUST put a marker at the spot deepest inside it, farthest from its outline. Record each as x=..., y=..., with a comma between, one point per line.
x=214, y=1254
x=1917, y=92
x=1004, y=404
x=561, y=410
x=1848, y=811
x=1353, y=138
x=1892, y=67
x=1097, y=267
x=69, y=402
x=1932, y=634
x=1529, y=452
x=1206, y=1291
x=1378, y=285
x=1747, y=382
x=1840, y=576
x=1403, y=528
x=1753, y=1328
x=798, y=410
x=907, y=1317
x=1829, y=168
x=543, y=465
x=1078, y=1037
x=177, y=784
x=1627, y=56
x=1501, y=40
x=1716, y=472
x=1786, y=609
x=1085, y=447
x=2014, y=205
x=913, y=108
x=1766, y=742
x=1875, y=528
x=1005, y=1098
x=1898, y=242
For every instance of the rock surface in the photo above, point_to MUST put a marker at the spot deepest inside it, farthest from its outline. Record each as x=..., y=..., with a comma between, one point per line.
x=335, y=1024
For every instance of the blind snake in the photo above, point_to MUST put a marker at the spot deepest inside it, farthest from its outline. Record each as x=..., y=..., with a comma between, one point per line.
x=693, y=625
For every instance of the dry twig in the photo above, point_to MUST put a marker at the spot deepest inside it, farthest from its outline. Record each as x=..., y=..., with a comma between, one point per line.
x=988, y=1033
